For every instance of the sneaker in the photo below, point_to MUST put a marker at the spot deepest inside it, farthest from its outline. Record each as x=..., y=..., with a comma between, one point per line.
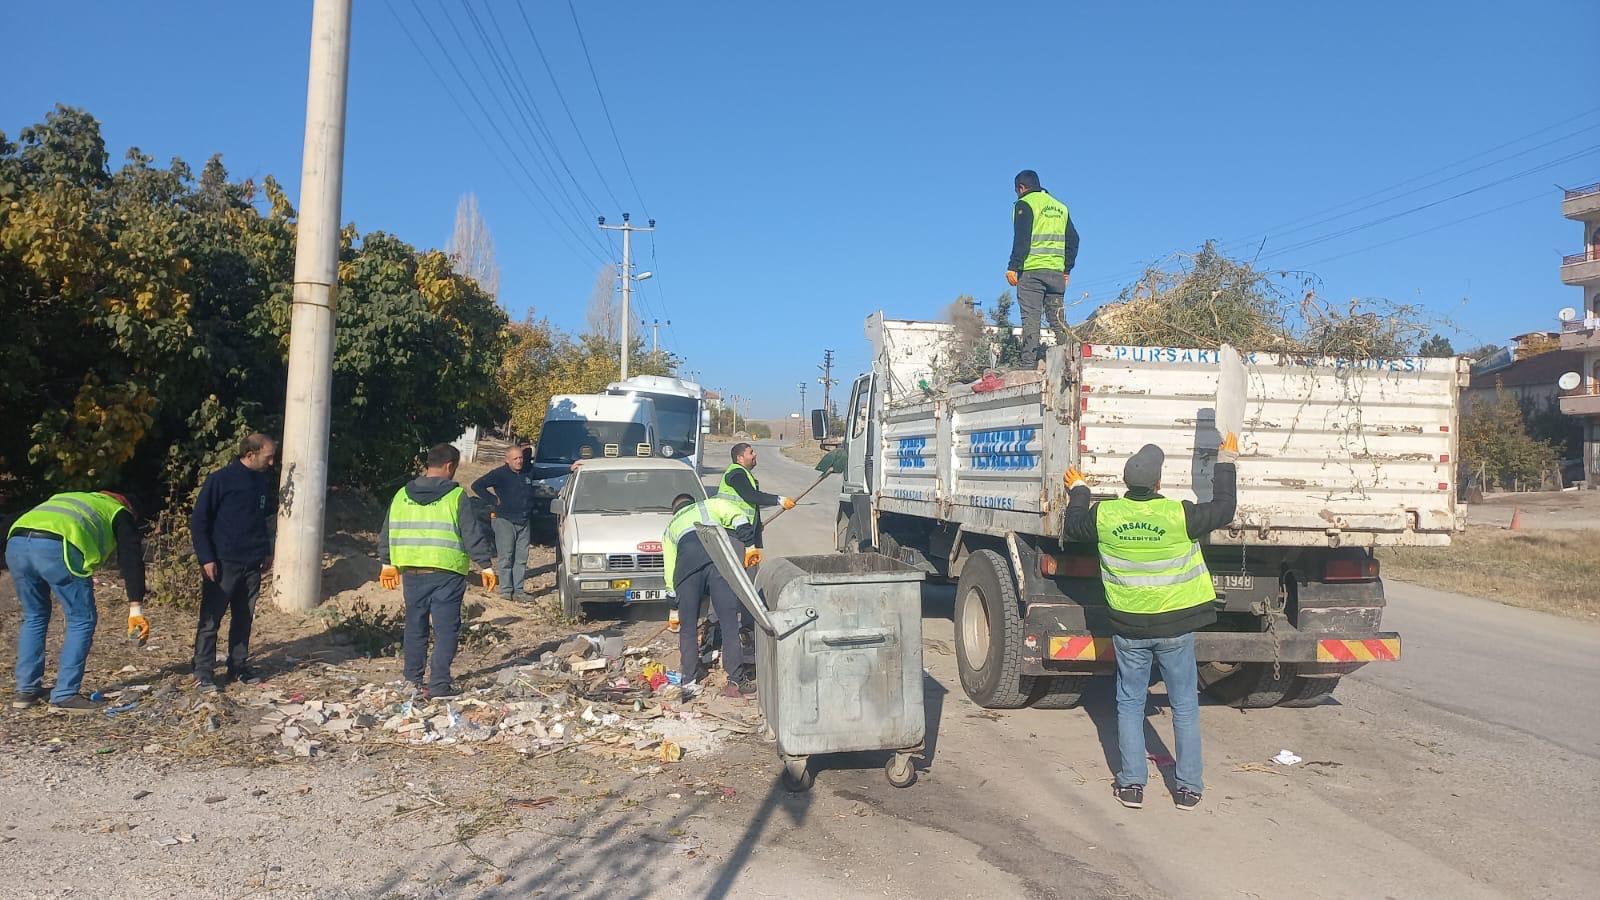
x=448, y=692
x=1131, y=796
x=206, y=686
x=26, y=699
x=77, y=704
x=1186, y=799
x=246, y=675
x=746, y=685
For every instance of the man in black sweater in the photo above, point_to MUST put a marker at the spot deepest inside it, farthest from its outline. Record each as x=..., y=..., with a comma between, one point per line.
x=509, y=490
x=231, y=540
x=1159, y=593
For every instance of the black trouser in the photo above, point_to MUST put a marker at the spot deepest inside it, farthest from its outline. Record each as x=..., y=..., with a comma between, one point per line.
x=692, y=589
x=433, y=602
x=235, y=591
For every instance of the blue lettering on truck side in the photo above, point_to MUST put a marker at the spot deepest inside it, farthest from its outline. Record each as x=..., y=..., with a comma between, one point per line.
x=1003, y=450
x=908, y=452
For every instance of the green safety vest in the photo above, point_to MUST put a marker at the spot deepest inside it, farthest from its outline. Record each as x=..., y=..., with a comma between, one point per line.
x=714, y=511
x=1048, y=247
x=84, y=523
x=726, y=491
x=1147, y=560
x=427, y=536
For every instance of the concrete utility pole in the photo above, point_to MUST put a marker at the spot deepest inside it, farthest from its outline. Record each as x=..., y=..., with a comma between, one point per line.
x=828, y=381
x=802, y=433
x=303, y=490
x=655, y=335
x=627, y=277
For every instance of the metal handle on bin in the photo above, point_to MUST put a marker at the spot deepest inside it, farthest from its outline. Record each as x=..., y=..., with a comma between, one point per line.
x=853, y=640
x=721, y=551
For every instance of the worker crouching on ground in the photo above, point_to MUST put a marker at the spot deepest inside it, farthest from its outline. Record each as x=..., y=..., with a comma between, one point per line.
x=1159, y=593
x=429, y=540
x=688, y=568
x=231, y=540
x=1044, y=248
x=56, y=547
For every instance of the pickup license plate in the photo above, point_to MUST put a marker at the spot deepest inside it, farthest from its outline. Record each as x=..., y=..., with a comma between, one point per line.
x=1234, y=582
x=621, y=584
x=637, y=596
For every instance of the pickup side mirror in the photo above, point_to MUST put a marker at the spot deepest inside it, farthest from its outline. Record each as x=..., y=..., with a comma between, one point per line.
x=819, y=425
x=558, y=507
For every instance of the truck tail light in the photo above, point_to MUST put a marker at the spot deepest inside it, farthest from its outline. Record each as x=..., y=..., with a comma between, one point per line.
x=1352, y=568
x=1069, y=566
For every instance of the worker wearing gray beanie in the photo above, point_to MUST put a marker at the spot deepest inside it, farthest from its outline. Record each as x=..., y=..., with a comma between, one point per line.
x=1158, y=594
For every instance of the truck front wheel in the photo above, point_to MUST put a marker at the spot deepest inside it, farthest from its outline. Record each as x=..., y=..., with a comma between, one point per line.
x=988, y=624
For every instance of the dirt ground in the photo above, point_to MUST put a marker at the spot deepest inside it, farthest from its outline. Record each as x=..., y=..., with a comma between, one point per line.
x=332, y=779
x=807, y=452
x=1541, y=510
x=1551, y=570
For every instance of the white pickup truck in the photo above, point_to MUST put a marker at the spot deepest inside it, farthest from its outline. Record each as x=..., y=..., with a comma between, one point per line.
x=1338, y=457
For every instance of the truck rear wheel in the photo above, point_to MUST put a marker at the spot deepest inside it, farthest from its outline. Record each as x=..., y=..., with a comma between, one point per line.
x=1246, y=685
x=988, y=624
x=1309, y=691
x=1059, y=691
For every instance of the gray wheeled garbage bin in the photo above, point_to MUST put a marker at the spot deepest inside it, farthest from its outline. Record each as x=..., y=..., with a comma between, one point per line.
x=838, y=655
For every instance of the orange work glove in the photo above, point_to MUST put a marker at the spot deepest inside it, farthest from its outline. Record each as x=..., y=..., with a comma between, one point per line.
x=786, y=502
x=1011, y=278
x=1074, y=478
x=752, y=557
x=1229, y=451
x=138, y=625
x=389, y=578
x=490, y=580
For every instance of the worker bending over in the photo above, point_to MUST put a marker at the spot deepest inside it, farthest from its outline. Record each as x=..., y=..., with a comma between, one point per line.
x=56, y=547
x=428, y=536
x=1159, y=593
x=693, y=577
x=1044, y=248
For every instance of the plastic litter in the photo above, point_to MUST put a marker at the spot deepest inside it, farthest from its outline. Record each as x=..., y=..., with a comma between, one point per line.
x=1287, y=758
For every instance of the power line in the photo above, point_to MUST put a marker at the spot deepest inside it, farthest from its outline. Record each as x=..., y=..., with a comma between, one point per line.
x=1542, y=195
x=562, y=97
x=604, y=108
x=580, y=247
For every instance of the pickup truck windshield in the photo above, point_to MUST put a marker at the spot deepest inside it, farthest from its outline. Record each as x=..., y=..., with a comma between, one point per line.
x=569, y=441
x=643, y=490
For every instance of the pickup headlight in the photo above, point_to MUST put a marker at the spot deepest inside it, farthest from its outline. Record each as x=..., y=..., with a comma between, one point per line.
x=591, y=562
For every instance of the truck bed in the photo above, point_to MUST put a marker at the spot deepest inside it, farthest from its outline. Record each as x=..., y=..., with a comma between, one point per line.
x=1335, y=453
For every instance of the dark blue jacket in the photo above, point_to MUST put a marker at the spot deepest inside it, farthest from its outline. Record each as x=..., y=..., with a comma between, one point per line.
x=230, y=518
x=510, y=493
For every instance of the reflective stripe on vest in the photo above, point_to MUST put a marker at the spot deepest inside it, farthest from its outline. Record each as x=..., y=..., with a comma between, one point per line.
x=84, y=522
x=1047, y=247
x=1148, y=562
x=726, y=491
x=427, y=536
x=718, y=510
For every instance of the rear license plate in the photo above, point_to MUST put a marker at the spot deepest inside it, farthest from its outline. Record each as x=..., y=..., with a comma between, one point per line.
x=1234, y=582
x=635, y=596
x=621, y=584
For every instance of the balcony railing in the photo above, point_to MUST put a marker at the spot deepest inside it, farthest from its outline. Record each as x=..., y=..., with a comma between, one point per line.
x=1584, y=191
x=1575, y=258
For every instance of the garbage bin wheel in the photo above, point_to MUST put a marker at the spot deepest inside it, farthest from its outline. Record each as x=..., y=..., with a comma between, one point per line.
x=901, y=772
x=797, y=774
x=571, y=606
x=989, y=634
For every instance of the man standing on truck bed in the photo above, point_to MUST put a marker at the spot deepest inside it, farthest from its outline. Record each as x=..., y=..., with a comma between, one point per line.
x=739, y=485
x=1160, y=593
x=1044, y=248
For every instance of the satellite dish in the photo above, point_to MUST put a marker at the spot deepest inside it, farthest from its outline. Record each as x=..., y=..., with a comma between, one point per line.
x=1569, y=381
x=1568, y=314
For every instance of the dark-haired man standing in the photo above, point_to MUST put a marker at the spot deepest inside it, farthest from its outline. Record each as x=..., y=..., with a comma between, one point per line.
x=232, y=542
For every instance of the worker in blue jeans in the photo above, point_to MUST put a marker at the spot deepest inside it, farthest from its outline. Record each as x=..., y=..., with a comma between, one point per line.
x=1158, y=592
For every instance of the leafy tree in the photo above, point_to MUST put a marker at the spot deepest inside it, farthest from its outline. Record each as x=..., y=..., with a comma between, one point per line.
x=1437, y=346
x=1494, y=437
x=1007, y=346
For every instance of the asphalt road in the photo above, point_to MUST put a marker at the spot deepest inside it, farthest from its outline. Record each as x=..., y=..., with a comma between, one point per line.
x=1469, y=769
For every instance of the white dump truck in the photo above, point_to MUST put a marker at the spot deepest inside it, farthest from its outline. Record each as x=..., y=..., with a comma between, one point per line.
x=1338, y=457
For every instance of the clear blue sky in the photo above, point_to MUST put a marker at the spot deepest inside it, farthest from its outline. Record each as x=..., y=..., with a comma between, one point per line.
x=811, y=163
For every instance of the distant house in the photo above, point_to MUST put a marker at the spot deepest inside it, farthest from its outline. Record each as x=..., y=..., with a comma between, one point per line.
x=1531, y=380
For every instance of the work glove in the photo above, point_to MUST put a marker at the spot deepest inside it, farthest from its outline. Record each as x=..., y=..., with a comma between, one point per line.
x=490, y=580
x=1229, y=451
x=752, y=557
x=1074, y=478
x=389, y=578
x=786, y=502
x=1011, y=278
x=138, y=625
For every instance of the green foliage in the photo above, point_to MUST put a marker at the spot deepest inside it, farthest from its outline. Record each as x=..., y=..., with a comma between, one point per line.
x=1007, y=346
x=760, y=431
x=1495, y=438
x=149, y=315
x=1437, y=346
